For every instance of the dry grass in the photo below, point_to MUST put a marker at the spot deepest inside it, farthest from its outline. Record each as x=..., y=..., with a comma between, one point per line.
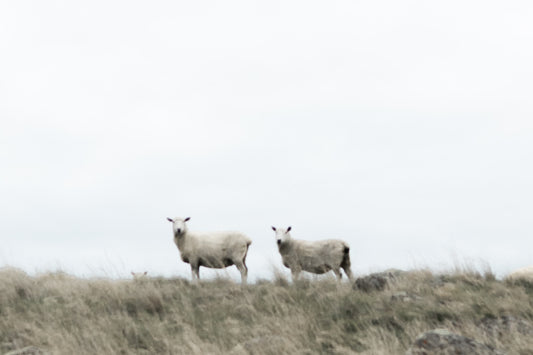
x=66, y=315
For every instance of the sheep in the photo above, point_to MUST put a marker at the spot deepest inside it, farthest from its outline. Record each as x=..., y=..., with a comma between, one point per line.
x=525, y=273
x=213, y=250
x=317, y=257
x=139, y=276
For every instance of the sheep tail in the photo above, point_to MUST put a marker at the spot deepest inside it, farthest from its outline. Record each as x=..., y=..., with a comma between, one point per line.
x=346, y=257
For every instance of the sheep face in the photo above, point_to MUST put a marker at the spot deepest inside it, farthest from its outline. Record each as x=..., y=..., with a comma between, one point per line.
x=178, y=225
x=282, y=235
x=137, y=276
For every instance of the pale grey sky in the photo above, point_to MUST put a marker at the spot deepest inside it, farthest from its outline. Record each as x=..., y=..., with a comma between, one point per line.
x=404, y=128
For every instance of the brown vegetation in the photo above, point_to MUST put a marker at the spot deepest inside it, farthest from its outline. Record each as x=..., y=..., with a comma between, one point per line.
x=62, y=314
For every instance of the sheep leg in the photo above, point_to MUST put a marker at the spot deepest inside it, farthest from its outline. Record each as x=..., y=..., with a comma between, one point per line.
x=348, y=273
x=346, y=264
x=295, y=275
x=195, y=271
x=338, y=274
x=244, y=271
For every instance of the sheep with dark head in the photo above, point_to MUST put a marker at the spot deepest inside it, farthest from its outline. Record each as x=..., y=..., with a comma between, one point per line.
x=317, y=257
x=213, y=250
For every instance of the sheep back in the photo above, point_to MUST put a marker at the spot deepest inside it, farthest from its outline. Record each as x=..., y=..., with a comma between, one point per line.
x=313, y=256
x=214, y=250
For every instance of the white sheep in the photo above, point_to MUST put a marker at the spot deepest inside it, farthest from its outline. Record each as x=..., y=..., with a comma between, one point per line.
x=213, y=250
x=317, y=257
x=139, y=276
x=525, y=273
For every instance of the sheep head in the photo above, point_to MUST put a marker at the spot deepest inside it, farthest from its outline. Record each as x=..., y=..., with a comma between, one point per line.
x=178, y=225
x=139, y=275
x=282, y=235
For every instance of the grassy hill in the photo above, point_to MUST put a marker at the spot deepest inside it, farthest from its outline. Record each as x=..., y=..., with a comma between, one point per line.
x=62, y=314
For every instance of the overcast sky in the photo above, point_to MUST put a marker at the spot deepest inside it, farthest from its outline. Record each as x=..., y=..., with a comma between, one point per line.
x=402, y=127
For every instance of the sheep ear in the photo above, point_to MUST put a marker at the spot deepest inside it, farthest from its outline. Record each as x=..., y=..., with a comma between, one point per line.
x=170, y=220
x=186, y=219
x=274, y=229
x=289, y=229
x=132, y=273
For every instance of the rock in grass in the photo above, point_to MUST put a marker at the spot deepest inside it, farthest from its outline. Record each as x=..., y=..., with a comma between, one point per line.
x=444, y=342
x=370, y=283
x=377, y=281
